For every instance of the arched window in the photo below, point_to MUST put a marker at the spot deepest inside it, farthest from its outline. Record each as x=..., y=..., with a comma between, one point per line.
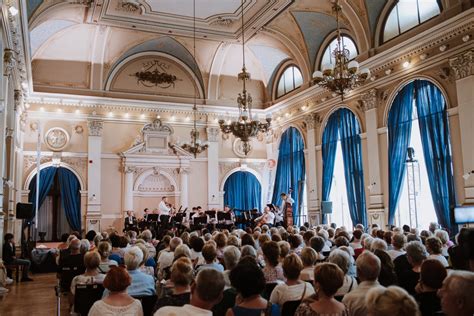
x=407, y=14
x=290, y=80
x=328, y=57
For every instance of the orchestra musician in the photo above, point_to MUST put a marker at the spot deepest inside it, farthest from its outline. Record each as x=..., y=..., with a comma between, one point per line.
x=228, y=222
x=200, y=218
x=164, y=208
x=287, y=207
x=130, y=222
x=267, y=218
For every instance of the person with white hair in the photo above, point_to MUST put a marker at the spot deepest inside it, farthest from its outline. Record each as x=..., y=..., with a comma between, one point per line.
x=379, y=244
x=409, y=274
x=142, y=284
x=393, y=301
x=368, y=270
x=398, y=242
x=444, y=237
x=231, y=258
x=456, y=294
x=165, y=259
x=148, y=238
x=343, y=261
x=85, y=246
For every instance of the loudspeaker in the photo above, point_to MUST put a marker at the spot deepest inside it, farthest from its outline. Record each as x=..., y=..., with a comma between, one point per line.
x=326, y=207
x=24, y=211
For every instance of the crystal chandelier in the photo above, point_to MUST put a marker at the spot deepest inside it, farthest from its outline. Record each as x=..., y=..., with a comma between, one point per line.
x=195, y=147
x=345, y=74
x=245, y=127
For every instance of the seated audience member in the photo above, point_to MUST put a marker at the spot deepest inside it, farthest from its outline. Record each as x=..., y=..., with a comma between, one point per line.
x=398, y=242
x=165, y=259
x=408, y=276
x=148, y=238
x=434, y=248
x=456, y=294
x=90, y=235
x=309, y=258
x=284, y=249
x=209, y=252
x=387, y=274
x=387, y=236
x=293, y=289
x=142, y=284
x=343, y=261
x=64, y=242
x=432, y=275
x=273, y=271
x=378, y=243
x=250, y=251
x=104, y=248
x=143, y=267
x=205, y=293
x=355, y=243
x=92, y=274
x=74, y=259
x=182, y=251
x=196, y=243
x=446, y=243
x=9, y=257
x=318, y=243
x=393, y=301
x=117, y=252
x=182, y=275
x=85, y=246
x=368, y=270
x=118, y=302
x=248, y=280
x=221, y=242
x=328, y=278
x=231, y=258
x=247, y=239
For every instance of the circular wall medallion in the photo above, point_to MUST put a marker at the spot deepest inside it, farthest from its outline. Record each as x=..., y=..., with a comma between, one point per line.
x=238, y=148
x=56, y=138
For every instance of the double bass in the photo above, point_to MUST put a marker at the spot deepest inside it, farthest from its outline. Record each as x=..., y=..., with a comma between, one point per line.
x=288, y=209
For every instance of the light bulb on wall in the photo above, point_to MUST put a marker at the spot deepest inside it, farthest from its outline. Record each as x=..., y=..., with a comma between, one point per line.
x=13, y=10
x=468, y=174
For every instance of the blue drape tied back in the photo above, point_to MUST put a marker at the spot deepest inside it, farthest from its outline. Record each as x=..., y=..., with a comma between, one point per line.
x=291, y=170
x=343, y=125
x=69, y=190
x=435, y=137
x=243, y=191
x=399, y=132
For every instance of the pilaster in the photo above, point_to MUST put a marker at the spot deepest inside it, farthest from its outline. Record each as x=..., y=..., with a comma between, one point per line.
x=94, y=174
x=184, y=183
x=213, y=168
x=312, y=122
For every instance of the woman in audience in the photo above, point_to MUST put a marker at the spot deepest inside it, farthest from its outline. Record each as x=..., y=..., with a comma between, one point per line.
x=318, y=243
x=328, y=278
x=408, y=276
x=209, y=252
x=457, y=253
x=393, y=301
x=432, y=275
x=293, y=289
x=221, y=242
x=196, y=244
x=118, y=302
x=182, y=276
x=117, y=252
x=343, y=261
x=142, y=284
x=387, y=236
x=309, y=258
x=248, y=279
x=398, y=242
x=284, y=249
x=247, y=239
x=92, y=274
x=355, y=243
x=387, y=274
x=231, y=258
x=143, y=267
x=273, y=271
x=104, y=248
x=434, y=248
x=446, y=243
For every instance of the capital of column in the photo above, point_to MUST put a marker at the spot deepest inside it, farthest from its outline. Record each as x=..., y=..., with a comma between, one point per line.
x=312, y=121
x=463, y=64
x=18, y=99
x=184, y=171
x=9, y=61
x=129, y=169
x=95, y=127
x=213, y=134
x=369, y=100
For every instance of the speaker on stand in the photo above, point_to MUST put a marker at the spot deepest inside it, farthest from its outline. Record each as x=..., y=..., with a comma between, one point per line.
x=25, y=211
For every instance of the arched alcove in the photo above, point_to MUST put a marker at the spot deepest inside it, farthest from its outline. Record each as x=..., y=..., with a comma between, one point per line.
x=242, y=190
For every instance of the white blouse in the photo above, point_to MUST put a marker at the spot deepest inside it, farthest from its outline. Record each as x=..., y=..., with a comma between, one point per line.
x=100, y=308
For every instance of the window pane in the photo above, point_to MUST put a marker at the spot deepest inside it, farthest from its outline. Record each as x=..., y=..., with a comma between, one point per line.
x=281, y=88
x=408, y=14
x=298, y=78
x=289, y=80
x=428, y=9
x=328, y=58
x=391, y=26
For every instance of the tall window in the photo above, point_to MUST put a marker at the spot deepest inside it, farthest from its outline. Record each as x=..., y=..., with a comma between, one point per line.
x=290, y=80
x=407, y=14
x=328, y=58
x=415, y=198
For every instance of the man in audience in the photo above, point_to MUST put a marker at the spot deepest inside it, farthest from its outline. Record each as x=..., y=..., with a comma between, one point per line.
x=166, y=257
x=456, y=294
x=398, y=242
x=209, y=252
x=74, y=258
x=368, y=269
x=205, y=293
x=9, y=257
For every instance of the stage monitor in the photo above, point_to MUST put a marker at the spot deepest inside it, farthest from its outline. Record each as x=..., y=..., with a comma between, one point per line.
x=326, y=207
x=464, y=214
x=24, y=211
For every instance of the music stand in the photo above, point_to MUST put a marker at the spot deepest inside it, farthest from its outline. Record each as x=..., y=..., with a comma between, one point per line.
x=199, y=222
x=152, y=217
x=211, y=214
x=222, y=216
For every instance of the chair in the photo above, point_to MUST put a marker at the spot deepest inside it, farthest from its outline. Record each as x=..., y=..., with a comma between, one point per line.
x=228, y=301
x=289, y=308
x=17, y=268
x=148, y=303
x=86, y=295
x=66, y=274
x=268, y=290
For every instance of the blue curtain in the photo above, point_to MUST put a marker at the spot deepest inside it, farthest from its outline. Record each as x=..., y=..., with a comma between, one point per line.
x=243, y=191
x=434, y=130
x=291, y=170
x=399, y=131
x=349, y=132
x=70, y=197
x=328, y=149
x=46, y=181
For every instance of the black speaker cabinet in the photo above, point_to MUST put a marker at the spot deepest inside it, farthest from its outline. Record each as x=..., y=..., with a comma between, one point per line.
x=24, y=211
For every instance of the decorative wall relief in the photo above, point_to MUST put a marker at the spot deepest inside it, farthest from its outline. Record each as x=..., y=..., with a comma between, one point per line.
x=156, y=183
x=56, y=139
x=155, y=74
x=238, y=148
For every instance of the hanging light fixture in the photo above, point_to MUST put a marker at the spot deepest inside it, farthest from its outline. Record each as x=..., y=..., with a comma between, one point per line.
x=245, y=127
x=195, y=147
x=345, y=75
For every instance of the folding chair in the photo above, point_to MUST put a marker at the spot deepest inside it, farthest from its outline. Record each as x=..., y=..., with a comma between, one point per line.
x=148, y=303
x=85, y=296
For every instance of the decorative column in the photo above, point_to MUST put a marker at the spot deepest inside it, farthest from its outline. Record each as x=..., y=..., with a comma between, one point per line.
x=183, y=180
x=269, y=171
x=213, y=194
x=128, y=188
x=463, y=68
x=314, y=212
x=375, y=207
x=94, y=175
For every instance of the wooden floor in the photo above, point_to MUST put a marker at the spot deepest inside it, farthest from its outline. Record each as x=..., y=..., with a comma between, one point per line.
x=33, y=298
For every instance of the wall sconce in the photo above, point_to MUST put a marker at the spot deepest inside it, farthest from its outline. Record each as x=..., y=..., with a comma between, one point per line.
x=467, y=175
x=371, y=186
x=92, y=198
